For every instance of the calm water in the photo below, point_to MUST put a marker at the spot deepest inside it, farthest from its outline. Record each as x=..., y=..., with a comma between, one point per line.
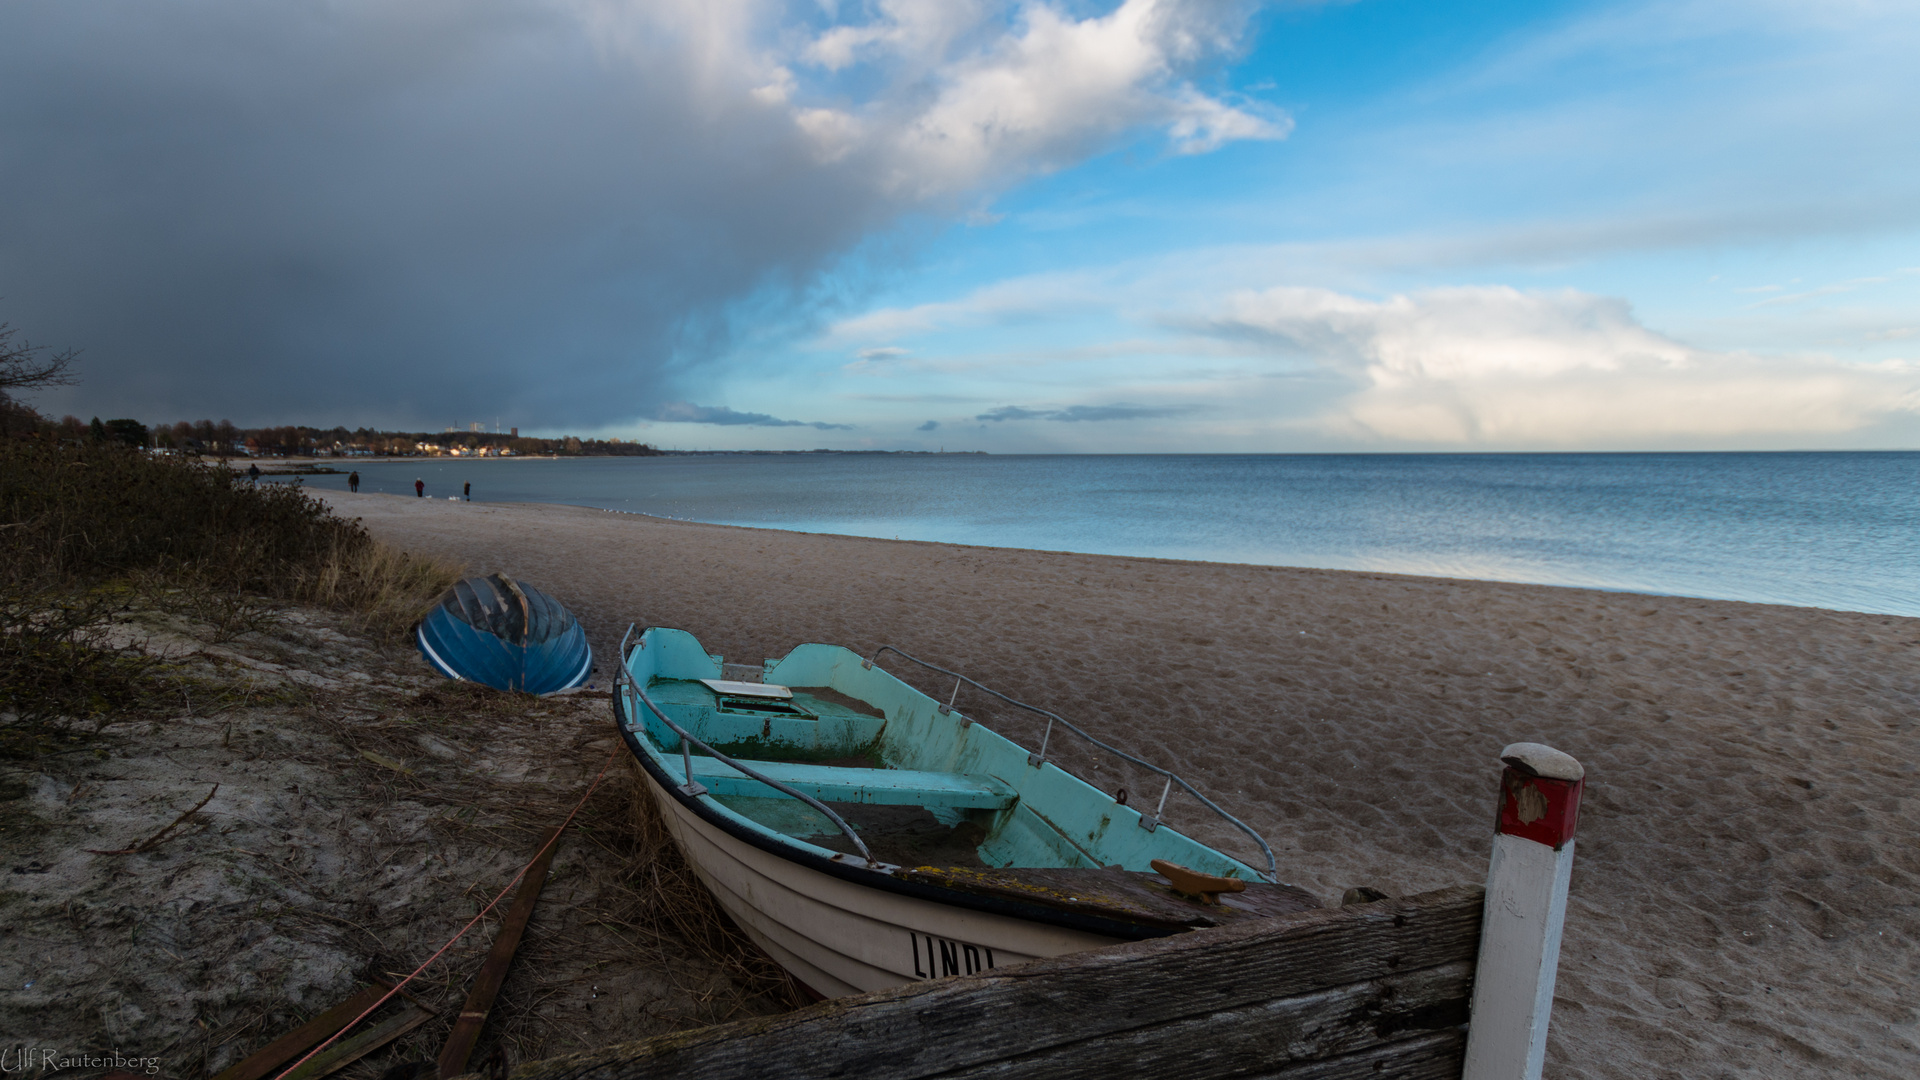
x=1837, y=530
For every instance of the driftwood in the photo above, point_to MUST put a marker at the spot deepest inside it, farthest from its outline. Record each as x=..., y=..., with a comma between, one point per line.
x=303, y=1038
x=1368, y=990
x=486, y=983
x=1123, y=895
x=354, y=1047
x=160, y=837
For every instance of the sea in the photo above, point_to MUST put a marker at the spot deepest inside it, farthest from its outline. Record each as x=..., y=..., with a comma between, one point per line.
x=1833, y=529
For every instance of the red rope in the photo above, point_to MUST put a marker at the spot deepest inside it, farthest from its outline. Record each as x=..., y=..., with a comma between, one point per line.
x=501, y=895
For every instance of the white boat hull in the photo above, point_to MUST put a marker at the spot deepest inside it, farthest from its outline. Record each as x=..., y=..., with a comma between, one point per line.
x=840, y=937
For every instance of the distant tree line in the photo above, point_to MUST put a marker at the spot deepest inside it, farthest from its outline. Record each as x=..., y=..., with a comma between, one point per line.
x=25, y=367
x=224, y=438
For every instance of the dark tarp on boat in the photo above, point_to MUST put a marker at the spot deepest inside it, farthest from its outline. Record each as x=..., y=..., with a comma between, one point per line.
x=509, y=636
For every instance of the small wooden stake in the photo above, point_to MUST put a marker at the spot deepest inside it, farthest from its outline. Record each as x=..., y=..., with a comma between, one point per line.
x=486, y=984
x=1526, y=909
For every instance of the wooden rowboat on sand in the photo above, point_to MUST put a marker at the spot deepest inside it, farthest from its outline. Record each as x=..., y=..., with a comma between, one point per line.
x=866, y=835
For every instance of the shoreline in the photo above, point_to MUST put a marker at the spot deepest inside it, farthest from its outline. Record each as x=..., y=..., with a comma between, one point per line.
x=1363, y=572
x=1747, y=853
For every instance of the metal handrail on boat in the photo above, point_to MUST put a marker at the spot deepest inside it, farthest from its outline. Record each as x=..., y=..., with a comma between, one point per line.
x=1147, y=822
x=692, y=787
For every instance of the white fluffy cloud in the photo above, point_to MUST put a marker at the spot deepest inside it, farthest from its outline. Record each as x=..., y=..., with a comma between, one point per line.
x=974, y=94
x=1498, y=366
x=954, y=95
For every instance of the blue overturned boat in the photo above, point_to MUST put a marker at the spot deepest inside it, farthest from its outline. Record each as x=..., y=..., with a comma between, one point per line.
x=505, y=634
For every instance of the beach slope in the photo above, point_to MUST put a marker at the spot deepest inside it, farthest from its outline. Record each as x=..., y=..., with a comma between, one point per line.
x=1744, y=895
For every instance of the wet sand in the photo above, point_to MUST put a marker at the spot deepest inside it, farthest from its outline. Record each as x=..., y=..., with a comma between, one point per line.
x=1744, y=894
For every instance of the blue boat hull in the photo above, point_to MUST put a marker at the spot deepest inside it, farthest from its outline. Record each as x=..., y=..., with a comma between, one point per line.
x=507, y=636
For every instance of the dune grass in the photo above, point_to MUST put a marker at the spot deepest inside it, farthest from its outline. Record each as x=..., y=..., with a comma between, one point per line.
x=387, y=590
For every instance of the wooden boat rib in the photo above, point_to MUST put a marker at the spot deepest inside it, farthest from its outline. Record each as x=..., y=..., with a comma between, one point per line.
x=866, y=835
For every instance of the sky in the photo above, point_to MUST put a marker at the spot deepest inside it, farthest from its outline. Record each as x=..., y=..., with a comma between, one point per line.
x=1151, y=226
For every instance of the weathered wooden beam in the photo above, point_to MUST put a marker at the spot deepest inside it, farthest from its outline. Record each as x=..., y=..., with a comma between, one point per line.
x=940, y=1028
x=1424, y=1057
x=303, y=1038
x=1310, y=1027
x=354, y=1047
x=487, y=982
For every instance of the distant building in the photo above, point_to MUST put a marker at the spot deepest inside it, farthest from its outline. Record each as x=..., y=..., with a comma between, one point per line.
x=513, y=433
x=477, y=426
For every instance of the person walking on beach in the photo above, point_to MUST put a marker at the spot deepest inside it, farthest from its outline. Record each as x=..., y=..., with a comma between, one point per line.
x=253, y=473
x=467, y=490
x=419, y=489
x=353, y=480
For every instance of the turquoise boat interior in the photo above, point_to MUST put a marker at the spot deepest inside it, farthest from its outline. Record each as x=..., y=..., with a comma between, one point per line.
x=920, y=785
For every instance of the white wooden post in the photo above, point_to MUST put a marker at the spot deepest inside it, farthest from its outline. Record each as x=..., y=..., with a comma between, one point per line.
x=1526, y=907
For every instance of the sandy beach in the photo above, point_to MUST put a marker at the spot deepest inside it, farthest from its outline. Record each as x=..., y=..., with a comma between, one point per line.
x=1744, y=893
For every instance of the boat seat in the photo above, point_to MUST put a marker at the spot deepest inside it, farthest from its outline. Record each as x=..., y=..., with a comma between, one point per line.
x=881, y=787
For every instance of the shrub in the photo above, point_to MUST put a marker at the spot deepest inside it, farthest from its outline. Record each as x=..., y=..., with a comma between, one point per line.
x=80, y=521
x=94, y=511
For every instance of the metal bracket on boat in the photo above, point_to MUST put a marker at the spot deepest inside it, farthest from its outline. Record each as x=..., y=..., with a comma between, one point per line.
x=1147, y=822
x=1151, y=821
x=1036, y=760
x=693, y=788
x=955, y=696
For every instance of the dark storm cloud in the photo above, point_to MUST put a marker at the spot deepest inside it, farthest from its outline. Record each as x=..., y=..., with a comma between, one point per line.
x=685, y=412
x=399, y=214
x=1074, y=413
x=930, y=425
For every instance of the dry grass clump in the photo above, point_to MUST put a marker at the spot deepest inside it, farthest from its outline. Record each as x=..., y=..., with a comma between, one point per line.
x=386, y=589
x=674, y=906
x=53, y=668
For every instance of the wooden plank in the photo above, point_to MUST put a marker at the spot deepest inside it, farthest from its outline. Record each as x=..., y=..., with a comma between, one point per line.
x=354, y=1047
x=941, y=1027
x=493, y=972
x=303, y=1038
x=1424, y=1057
x=1118, y=894
x=1309, y=1027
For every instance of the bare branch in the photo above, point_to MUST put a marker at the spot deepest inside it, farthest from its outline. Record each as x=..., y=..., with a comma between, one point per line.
x=24, y=367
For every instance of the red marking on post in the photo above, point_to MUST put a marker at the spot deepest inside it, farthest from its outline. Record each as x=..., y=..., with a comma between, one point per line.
x=1539, y=809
